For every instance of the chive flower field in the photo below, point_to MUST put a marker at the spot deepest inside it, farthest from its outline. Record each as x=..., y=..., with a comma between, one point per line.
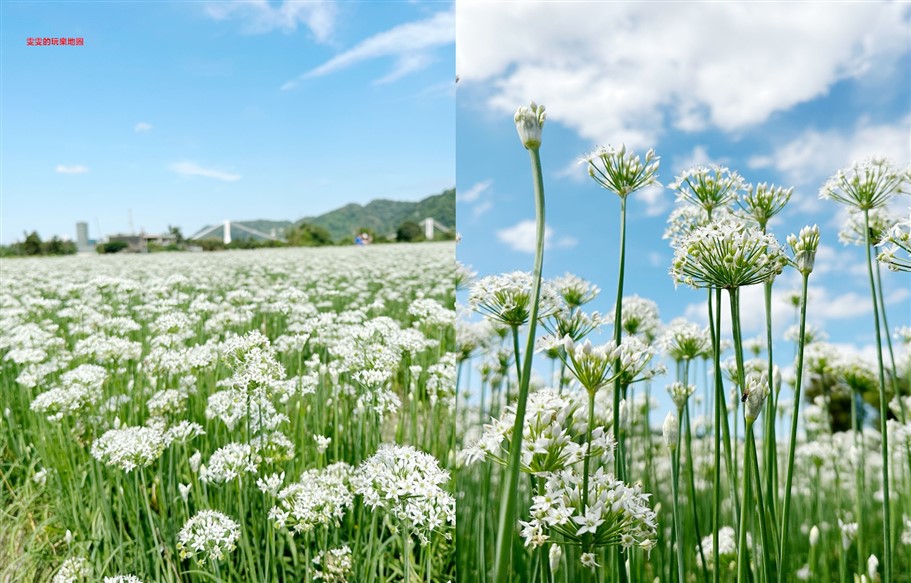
x=274, y=415
x=566, y=471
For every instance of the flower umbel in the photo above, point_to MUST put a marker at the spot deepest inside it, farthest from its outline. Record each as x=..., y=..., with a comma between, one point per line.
x=727, y=255
x=865, y=185
x=708, y=187
x=621, y=171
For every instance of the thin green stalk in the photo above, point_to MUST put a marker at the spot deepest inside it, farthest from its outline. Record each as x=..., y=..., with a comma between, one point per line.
x=742, y=566
x=715, y=327
x=619, y=468
x=507, y=519
x=692, y=485
x=678, y=525
x=586, y=540
x=883, y=411
x=770, y=442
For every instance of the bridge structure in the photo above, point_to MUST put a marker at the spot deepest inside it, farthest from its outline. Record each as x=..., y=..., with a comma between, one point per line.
x=431, y=225
x=205, y=232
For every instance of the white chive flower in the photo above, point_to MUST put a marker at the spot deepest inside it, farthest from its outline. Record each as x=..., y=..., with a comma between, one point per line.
x=406, y=483
x=207, y=535
x=621, y=171
x=757, y=389
x=670, y=431
x=865, y=185
x=129, y=448
x=319, y=498
x=708, y=187
x=334, y=565
x=727, y=255
x=507, y=298
x=74, y=570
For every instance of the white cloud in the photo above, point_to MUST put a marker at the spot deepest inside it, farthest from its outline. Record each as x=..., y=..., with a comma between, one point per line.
x=260, y=16
x=656, y=198
x=522, y=237
x=481, y=207
x=698, y=156
x=142, y=127
x=815, y=155
x=620, y=72
x=193, y=169
x=473, y=193
x=74, y=169
x=408, y=43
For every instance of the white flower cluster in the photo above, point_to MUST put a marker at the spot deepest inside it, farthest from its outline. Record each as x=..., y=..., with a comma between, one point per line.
x=319, y=498
x=616, y=514
x=334, y=565
x=621, y=171
x=727, y=549
x=79, y=392
x=639, y=317
x=230, y=462
x=554, y=425
x=130, y=448
x=865, y=185
x=207, y=535
x=708, y=187
x=406, y=483
x=123, y=579
x=74, y=570
x=727, y=255
x=506, y=298
x=574, y=290
x=897, y=256
x=684, y=340
x=764, y=202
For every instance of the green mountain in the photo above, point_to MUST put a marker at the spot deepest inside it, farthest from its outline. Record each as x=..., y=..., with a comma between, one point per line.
x=385, y=216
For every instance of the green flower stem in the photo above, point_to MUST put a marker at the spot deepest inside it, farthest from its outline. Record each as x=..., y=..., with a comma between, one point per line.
x=742, y=565
x=587, y=537
x=859, y=476
x=771, y=409
x=783, y=566
x=510, y=486
x=618, y=336
x=692, y=485
x=675, y=485
x=763, y=511
x=883, y=410
x=620, y=570
x=714, y=327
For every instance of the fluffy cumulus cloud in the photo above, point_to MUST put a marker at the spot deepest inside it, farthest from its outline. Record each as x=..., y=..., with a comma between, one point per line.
x=193, y=169
x=261, y=16
x=626, y=71
x=522, y=237
x=411, y=46
x=814, y=155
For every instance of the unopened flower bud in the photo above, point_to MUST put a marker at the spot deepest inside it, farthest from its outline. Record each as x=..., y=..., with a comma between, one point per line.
x=671, y=432
x=529, y=122
x=804, y=246
x=814, y=536
x=757, y=389
x=555, y=554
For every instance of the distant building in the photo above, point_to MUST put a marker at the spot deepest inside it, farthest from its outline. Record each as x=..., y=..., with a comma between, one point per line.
x=83, y=245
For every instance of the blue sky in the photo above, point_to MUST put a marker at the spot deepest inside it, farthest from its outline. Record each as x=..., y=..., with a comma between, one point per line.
x=189, y=113
x=780, y=93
